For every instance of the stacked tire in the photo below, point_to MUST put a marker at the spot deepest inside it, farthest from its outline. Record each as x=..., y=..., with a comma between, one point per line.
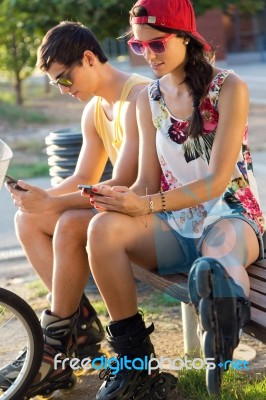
x=63, y=148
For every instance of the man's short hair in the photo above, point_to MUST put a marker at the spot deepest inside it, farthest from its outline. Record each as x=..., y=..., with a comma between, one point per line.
x=65, y=44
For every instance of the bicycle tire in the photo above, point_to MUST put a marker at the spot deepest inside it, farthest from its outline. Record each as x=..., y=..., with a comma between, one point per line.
x=27, y=321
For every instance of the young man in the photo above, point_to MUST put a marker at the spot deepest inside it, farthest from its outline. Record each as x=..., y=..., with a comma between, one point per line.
x=52, y=224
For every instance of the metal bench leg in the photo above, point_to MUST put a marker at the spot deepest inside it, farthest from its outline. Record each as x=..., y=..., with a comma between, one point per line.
x=191, y=340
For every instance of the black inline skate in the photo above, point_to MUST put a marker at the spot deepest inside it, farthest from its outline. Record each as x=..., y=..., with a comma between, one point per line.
x=89, y=335
x=59, y=343
x=90, y=332
x=128, y=376
x=223, y=309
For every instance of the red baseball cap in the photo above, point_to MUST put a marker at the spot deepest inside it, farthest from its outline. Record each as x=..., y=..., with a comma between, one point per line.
x=176, y=14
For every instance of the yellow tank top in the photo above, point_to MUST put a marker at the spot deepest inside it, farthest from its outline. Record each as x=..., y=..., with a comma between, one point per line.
x=111, y=132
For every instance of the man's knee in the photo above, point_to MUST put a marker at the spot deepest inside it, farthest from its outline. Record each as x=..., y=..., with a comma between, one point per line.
x=73, y=223
x=24, y=223
x=32, y=225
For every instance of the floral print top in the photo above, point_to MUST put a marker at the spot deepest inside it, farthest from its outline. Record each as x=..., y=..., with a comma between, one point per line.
x=184, y=159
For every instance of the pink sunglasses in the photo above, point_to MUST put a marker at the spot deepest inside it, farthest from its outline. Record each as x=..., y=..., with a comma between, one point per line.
x=156, y=45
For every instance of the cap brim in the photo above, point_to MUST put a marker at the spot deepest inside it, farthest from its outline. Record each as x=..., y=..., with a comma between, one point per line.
x=206, y=45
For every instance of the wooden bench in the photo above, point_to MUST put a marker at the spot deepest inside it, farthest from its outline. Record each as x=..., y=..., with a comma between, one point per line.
x=176, y=286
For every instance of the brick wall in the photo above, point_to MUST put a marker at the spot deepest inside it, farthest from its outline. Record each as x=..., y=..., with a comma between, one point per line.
x=211, y=27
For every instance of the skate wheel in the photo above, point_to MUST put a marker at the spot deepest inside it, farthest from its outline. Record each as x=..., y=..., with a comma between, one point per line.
x=203, y=279
x=165, y=384
x=71, y=383
x=205, y=314
x=213, y=381
x=208, y=345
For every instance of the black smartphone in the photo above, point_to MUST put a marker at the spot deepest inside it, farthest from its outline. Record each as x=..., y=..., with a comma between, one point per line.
x=88, y=189
x=13, y=183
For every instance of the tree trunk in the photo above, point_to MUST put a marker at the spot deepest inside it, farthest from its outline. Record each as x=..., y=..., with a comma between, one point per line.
x=18, y=88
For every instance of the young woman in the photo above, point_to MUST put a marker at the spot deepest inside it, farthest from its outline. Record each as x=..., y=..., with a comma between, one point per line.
x=194, y=206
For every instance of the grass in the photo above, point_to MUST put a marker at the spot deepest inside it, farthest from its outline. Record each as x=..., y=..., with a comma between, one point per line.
x=156, y=302
x=15, y=116
x=236, y=386
x=30, y=149
x=37, y=289
x=26, y=171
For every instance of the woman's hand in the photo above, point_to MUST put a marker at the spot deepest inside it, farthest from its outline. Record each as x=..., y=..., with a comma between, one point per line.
x=119, y=199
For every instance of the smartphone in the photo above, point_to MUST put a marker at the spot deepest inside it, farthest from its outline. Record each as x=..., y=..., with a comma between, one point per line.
x=88, y=189
x=14, y=183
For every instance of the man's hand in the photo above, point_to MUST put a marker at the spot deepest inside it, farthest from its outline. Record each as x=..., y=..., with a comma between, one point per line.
x=35, y=200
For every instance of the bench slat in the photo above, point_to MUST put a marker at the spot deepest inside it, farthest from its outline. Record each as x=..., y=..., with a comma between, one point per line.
x=257, y=285
x=261, y=264
x=257, y=271
x=258, y=316
x=258, y=299
x=174, y=285
x=255, y=330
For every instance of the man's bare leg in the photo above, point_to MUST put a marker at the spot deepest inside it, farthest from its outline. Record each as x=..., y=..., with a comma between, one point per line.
x=35, y=232
x=71, y=268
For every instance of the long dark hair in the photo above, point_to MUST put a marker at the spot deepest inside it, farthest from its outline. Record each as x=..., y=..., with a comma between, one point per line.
x=198, y=70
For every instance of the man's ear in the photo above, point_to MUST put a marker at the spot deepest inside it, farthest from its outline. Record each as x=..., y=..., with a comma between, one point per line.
x=89, y=57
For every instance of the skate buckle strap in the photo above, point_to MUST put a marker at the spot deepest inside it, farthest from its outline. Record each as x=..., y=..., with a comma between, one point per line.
x=124, y=344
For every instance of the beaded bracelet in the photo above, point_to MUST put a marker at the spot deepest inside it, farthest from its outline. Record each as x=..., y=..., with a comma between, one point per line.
x=163, y=201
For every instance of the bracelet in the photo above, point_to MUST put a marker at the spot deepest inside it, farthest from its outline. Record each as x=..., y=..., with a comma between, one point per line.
x=150, y=204
x=163, y=201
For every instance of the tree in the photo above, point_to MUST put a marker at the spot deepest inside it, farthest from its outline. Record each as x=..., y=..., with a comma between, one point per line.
x=245, y=6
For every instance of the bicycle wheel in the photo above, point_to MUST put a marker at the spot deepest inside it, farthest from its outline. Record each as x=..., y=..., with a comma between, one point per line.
x=19, y=331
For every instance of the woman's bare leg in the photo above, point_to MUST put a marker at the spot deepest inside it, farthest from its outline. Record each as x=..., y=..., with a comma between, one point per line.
x=234, y=244
x=114, y=240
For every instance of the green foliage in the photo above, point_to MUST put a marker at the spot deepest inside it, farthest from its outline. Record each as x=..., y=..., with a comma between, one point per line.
x=236, y=385
x=245, y=6
x=37, y=289
x=16, y=115
x=156, y=301
x=25, y=171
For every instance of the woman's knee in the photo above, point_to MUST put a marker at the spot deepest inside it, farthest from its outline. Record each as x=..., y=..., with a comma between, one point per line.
x=105, y=228
x=231, y=239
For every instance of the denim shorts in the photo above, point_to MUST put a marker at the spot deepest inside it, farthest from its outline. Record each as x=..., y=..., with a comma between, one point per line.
x=176, y=253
